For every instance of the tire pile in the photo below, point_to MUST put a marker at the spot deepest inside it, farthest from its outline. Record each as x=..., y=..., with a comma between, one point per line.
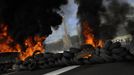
x=7, y=60
x=86, y=54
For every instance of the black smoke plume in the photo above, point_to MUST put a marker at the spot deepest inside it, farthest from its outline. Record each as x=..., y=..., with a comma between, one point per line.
x=88, y=10
x=116, y=18
x=30, y=17
x=105, y=17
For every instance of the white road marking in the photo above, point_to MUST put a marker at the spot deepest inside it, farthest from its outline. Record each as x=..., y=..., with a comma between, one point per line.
x=62, y=70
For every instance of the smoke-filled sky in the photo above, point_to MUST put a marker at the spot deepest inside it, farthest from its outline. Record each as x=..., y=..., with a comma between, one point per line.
x=69, y=12
x=29, y=18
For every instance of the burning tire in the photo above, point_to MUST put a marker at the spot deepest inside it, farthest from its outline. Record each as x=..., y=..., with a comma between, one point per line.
x=97, y=51
x=74, y=50
x=107, y=44
x=129, y=57
x=48, y=55
x=30, y=63
x=106, y=57
x=66, y=61
x=87, y=54
x=97, y=59
x=87, y=47
x=41, y=63
x=1, y=68
x=36, y=52
x=115, y=45
x=117, y=58
x=67, y=54
x=118, y=50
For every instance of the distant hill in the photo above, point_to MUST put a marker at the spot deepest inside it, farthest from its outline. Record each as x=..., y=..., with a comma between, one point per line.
x=55, y=46
x=59, y=45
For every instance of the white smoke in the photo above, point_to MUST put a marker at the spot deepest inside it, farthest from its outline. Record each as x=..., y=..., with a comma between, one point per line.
x=69, y=12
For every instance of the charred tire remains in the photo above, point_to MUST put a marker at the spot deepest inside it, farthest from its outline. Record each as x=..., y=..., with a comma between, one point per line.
x=86, y=54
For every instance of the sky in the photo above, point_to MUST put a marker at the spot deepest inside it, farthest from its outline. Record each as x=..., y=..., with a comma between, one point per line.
x=70, y=19
x=132, y=2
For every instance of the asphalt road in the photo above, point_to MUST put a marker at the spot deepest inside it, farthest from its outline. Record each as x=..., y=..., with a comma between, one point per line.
x=120, y=68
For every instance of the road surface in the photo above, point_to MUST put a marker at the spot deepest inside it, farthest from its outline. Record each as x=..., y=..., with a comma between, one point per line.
x=120, y=68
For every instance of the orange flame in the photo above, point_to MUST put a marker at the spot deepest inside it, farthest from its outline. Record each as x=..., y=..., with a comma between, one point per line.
x=7, y=44
x=86, y=56
x=89, y=37
x=32, y=47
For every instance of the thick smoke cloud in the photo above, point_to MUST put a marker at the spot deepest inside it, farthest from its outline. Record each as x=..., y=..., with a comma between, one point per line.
x=115, y=17
x=88, y=10
x=30, y=17
x=107, y=18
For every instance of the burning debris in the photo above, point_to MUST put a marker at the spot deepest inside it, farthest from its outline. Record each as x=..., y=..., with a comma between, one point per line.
x=7, y=60
x=32, y=44
x=86, y=54
x=10, y=51
x=24, y=25
x=28, y=25
x=88, y=14
x=88, y=35
x=34, y=56
x=89, y=18
x=106, y=18
x=30, y=18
